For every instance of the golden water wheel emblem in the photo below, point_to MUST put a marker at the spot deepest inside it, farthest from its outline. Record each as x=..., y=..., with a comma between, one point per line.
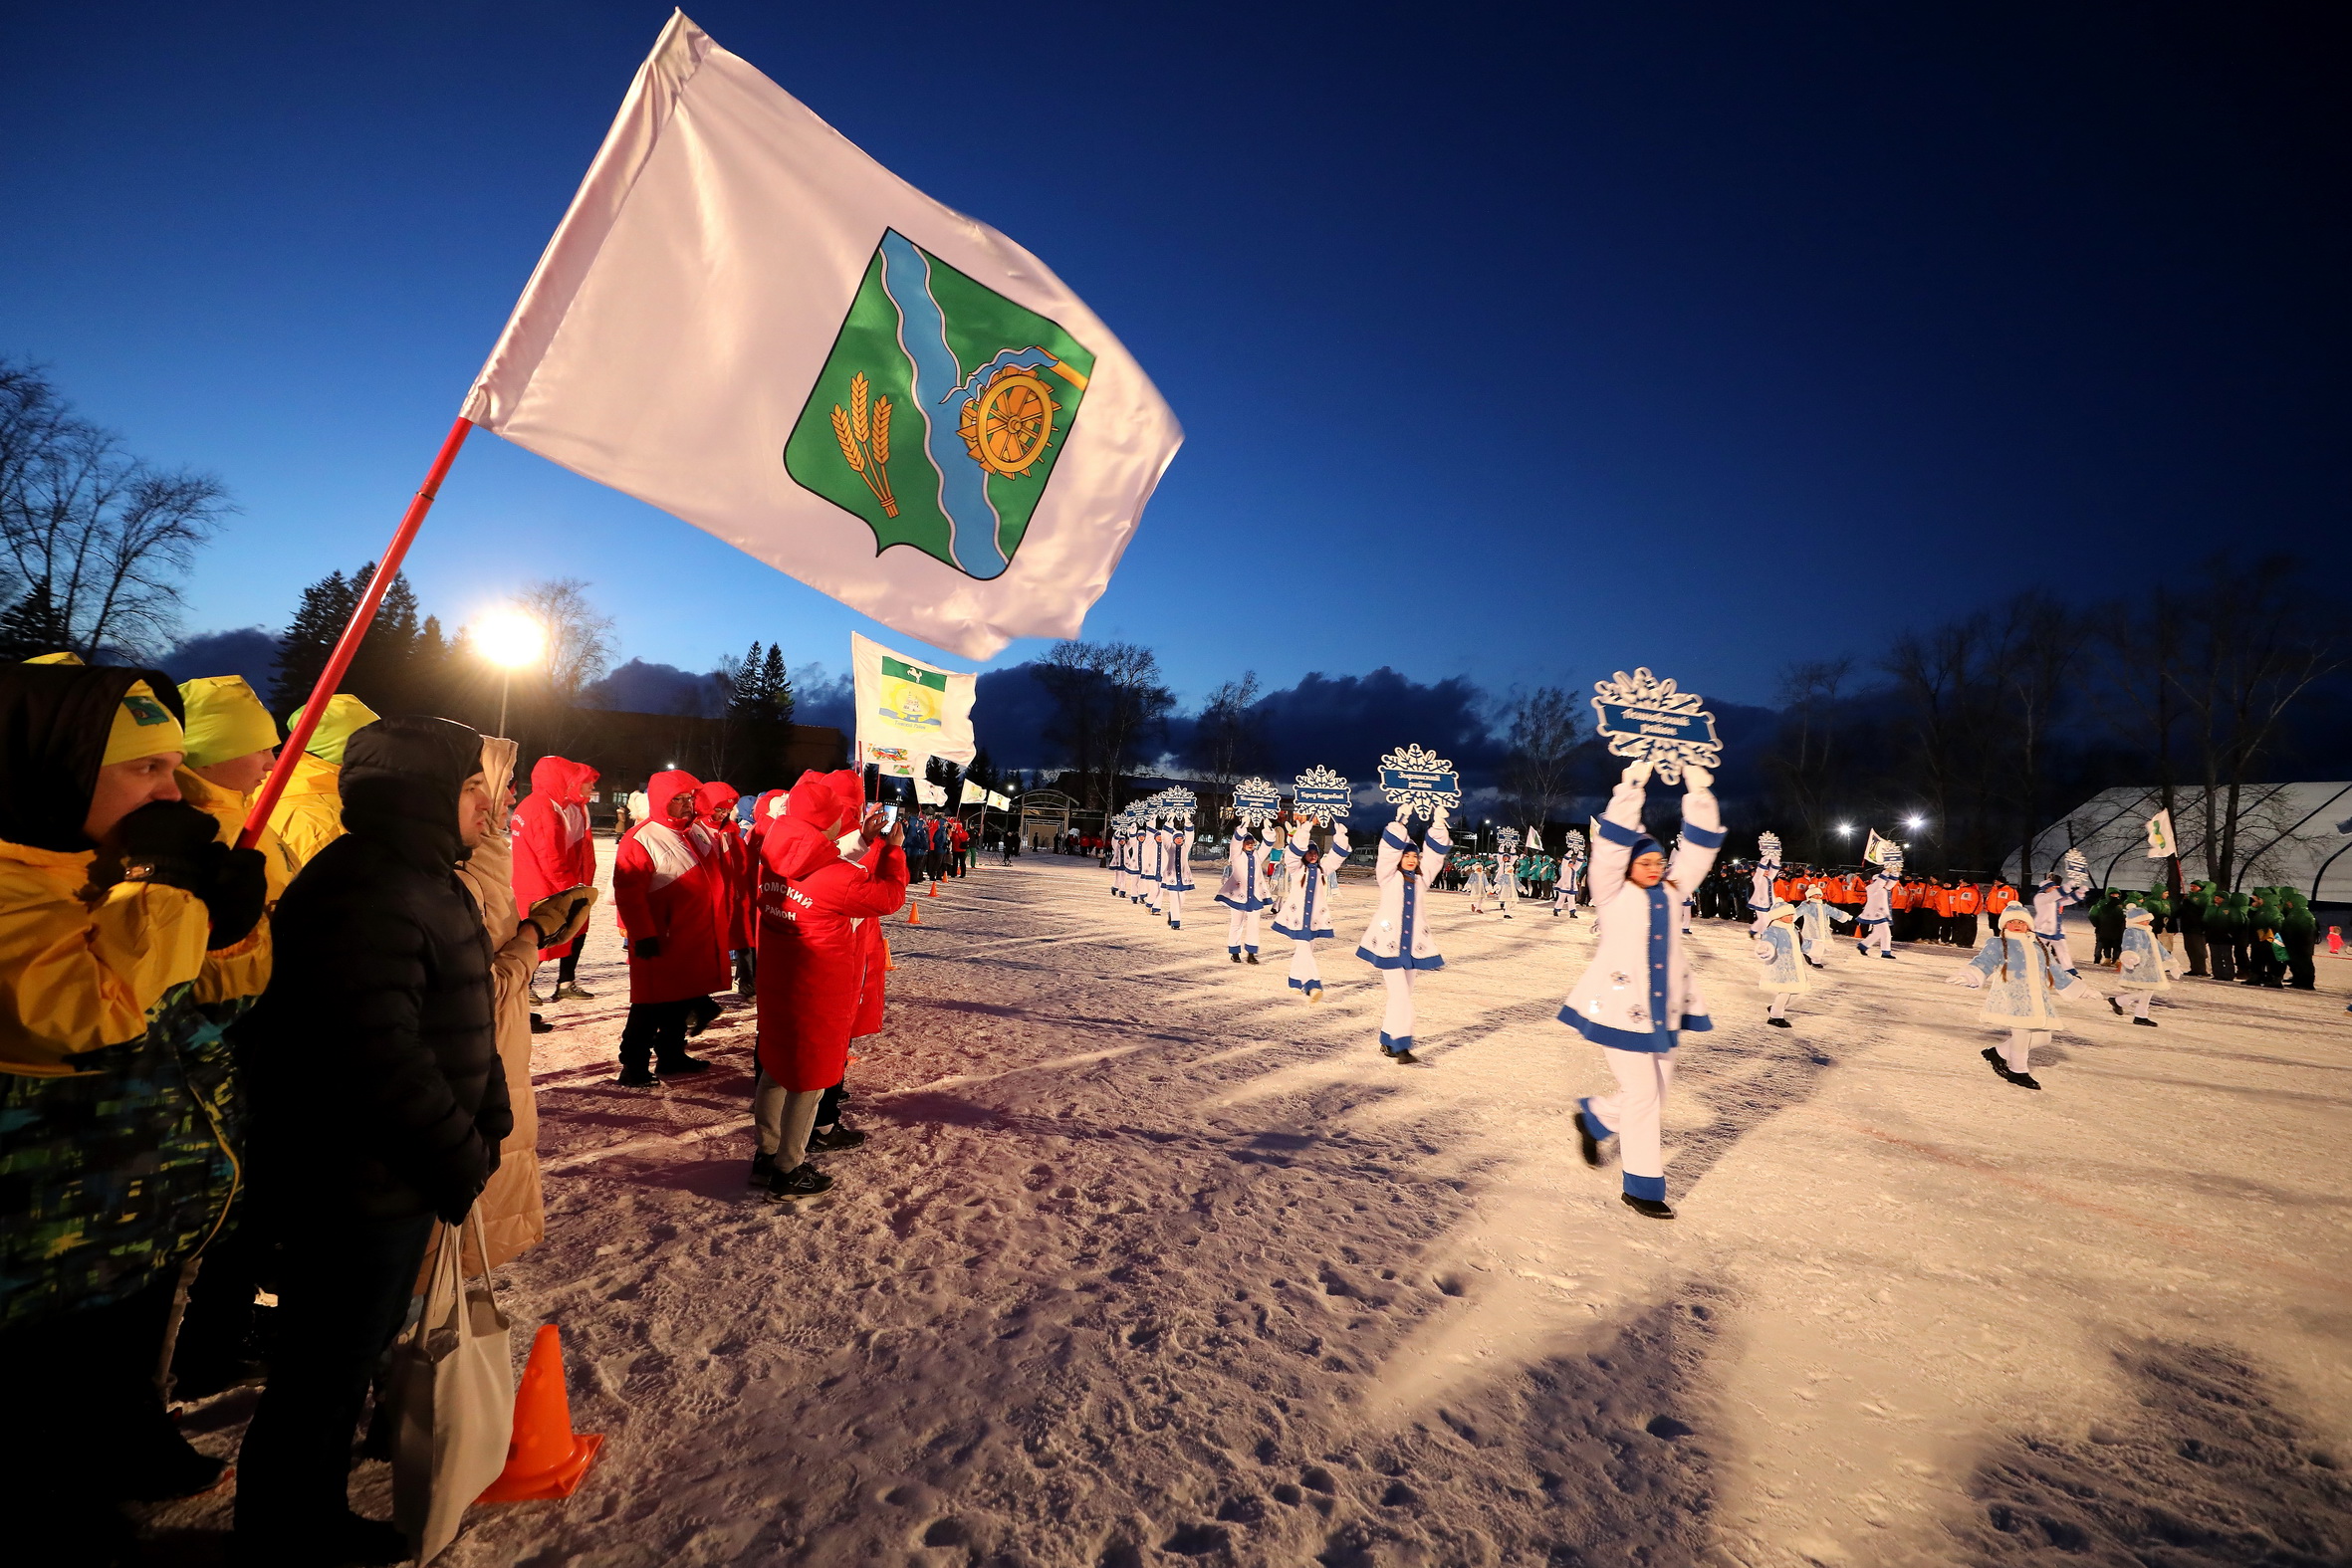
x=1007, y=427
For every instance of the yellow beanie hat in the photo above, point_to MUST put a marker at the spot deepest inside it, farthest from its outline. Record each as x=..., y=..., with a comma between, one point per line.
x=55, y=658
x=143, y=727
x=225, y=720
x=344, y=714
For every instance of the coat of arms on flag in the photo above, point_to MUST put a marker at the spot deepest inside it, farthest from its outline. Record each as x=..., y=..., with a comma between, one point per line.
x=940, y=411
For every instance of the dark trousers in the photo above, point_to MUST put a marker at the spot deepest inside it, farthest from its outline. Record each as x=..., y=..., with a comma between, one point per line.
x=2192, y=939
x=344, y=1284
x=2224, y=952
x=656, y=1031
x=568, y=961
x=84, y=1425
x=2300, y=974
x=217, y=1332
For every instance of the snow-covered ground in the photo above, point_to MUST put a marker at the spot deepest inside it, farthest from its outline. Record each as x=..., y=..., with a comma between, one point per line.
x=1149, y=1261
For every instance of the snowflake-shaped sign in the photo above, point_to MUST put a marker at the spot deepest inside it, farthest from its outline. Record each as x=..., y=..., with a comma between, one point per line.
x=1644, y=719
x=1256, y=801
x=1323, y=795
x=1178, y=802
x=1573, y=848
x=1419, y=780
x=2077, y=875
x=1507, y=840
x=1768, y=847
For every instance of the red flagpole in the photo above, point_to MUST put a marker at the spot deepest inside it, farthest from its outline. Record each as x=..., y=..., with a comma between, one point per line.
x=354, y=635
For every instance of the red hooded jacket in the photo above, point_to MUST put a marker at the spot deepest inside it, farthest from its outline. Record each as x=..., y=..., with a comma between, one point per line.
x=552, y=847
x=715, y=800
x=665, y=885
x=821, y=950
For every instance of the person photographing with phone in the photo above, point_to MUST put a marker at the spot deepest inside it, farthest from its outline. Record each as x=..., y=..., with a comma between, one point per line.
x=821, y=968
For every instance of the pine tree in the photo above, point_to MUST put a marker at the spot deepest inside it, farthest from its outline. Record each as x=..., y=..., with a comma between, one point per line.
x=32, y=627
x=304, y=647
x=778, y=684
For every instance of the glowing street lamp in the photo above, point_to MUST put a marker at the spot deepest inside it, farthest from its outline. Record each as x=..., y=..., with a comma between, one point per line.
x=513, y=641
x=1915, y=823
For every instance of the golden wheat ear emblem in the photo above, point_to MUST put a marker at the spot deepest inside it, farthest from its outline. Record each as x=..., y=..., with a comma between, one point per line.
x=864, y=436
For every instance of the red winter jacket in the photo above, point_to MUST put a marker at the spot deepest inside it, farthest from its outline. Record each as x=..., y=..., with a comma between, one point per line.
x=552, y=847
x=716, y=803
x=821, y=950
x=665, y=885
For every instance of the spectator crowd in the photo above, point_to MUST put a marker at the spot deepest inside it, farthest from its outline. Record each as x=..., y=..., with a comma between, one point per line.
x=232, y=1076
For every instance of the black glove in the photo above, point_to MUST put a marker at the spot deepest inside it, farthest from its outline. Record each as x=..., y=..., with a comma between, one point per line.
x=454, y=1195
x=648, y=947
x=235, y=898
x=167, y=842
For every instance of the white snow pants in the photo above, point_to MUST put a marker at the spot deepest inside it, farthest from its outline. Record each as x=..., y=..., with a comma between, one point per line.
x=1633, y=1113
x=1173, y=903
x=1880, y=935
x=1304, y=975
x=1755, y=926
x=2017, y=1050
x=1241, y=929
x=1396, y=1023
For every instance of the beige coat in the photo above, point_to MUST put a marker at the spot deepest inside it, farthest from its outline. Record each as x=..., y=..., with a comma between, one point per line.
x=514, y=1211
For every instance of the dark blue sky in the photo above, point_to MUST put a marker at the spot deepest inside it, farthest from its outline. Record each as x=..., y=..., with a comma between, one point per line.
x=1517, y=342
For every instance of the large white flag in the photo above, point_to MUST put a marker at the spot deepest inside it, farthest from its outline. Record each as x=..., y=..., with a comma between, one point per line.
x=749, y=322
x=907, y=712
x=2161, y=844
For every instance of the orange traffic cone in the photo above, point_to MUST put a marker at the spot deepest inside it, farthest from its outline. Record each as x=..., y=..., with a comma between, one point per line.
x=887, y=966
x=914, y=913
x=545, y=1458
x=934, y=887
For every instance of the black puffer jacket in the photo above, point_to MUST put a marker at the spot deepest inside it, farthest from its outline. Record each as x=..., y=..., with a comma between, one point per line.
x=373, y=1058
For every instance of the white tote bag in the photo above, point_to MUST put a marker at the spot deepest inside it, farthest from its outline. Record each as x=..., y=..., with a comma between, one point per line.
x=453, y=1399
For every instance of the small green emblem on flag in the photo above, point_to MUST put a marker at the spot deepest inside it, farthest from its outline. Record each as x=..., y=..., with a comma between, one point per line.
x=940, y=412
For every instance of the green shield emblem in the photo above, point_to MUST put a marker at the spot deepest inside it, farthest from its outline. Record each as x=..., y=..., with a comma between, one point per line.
x=940, y=412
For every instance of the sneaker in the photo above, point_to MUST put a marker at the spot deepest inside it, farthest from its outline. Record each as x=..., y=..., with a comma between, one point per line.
x=540, y=1026
x=2146, y=1023
x=1647, y=1208
x=1588, y=1143
x=570, y=991
x=634, y=1078
x=763, y=1169
x=802, y=1181
x=1236, y=955
x=1252, y=958
x=1314, y=994
x=1404, y=1059
x=681, y=1067
x=1780, y=1024
x=834, y=1140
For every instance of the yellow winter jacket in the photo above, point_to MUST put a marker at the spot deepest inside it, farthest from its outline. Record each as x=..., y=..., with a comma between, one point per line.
x=76, y=976
x=308, y=816
x=228, y=808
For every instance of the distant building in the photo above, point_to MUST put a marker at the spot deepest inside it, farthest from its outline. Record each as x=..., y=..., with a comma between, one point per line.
x=2289, y=836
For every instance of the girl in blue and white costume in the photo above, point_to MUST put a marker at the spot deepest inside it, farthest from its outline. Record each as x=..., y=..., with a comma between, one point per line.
x=1399, y=942
x=2049, y=929
x=1243, y=891
x=1761, y=897
x=1639, y=995
x=1148, y=866
x=1785, y=971
x=1878, y=913
x=1563, y=891
x=1306, y=911
x=1175, y=868
x=1813, y=920
x=1132, y=862
x=2016, y=982
x=2146, y=968
x=1119, y=862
